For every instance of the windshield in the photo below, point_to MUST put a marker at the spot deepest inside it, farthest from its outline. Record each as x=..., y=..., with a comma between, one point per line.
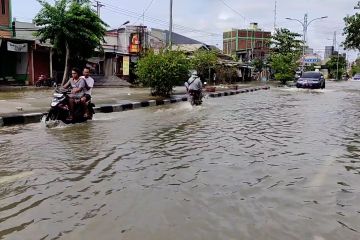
x=311, y=75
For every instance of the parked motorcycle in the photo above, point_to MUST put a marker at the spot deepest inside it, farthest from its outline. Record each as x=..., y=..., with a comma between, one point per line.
x=45, y=81
x=195, y=97
x=60, y=110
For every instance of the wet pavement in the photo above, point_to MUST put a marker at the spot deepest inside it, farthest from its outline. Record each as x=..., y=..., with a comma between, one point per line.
x=278, y=164
x=30, y=99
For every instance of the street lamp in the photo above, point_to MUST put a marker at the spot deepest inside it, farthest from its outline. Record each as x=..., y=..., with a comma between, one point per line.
x=305, y=25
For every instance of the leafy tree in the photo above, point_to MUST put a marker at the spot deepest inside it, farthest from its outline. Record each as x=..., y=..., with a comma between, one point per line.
x=351, y=31
x=285, y=41
x=336, y=62
x=161, y=72
x=310, y=67
x=284, y=66
x=355, y=68
x=72, y=27
x=285, y=54
x=202, y=61
x=258, y=64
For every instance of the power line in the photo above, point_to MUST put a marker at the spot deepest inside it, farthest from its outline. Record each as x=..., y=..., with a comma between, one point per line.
x=145, y=10
x=155, y=20
x=234, y=10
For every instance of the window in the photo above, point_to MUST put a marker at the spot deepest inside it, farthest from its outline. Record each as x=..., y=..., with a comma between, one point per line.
x=3, y=7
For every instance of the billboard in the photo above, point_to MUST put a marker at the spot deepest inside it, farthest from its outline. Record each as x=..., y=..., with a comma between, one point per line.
x=135, y=43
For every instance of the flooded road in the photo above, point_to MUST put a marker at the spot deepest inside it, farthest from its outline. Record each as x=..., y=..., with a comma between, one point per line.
x=277, y=164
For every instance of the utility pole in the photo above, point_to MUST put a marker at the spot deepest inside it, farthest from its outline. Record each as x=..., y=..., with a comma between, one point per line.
x=171, y=24
x=305, y=25
x=98, y=6
x=275, y=16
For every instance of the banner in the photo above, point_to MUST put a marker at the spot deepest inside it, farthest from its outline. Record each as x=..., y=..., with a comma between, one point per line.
x=13, y=47
x=126, y=65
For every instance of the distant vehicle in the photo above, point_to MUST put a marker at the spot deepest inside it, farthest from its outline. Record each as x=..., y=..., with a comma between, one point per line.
x=356, y=77
x=311, y=80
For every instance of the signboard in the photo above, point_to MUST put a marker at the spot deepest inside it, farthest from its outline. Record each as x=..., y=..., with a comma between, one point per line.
x=13, y=47
x=312, y=59
x=135, y=43
x=126, y=65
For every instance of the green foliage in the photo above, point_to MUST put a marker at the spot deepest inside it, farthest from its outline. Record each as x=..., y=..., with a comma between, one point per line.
x=285, y=53
x=73, y=28
x=284, y=66
x=310, y=67
x=351, y=31
x=258, y=64
x=355, y=68
x=161, y=72
x=336, y=62
x=202, y=61
x=285, y=41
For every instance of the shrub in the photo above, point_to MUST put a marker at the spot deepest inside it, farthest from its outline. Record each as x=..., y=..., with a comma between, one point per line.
x=161, y=72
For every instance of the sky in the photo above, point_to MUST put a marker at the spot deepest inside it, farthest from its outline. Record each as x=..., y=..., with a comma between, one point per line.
x=206, y=20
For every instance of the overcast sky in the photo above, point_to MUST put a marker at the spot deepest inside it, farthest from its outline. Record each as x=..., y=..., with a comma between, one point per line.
x=205, y=20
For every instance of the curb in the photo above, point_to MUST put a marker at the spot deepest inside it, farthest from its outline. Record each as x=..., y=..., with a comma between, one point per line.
x=21, y=119
x=36, y=117
x=233, y=92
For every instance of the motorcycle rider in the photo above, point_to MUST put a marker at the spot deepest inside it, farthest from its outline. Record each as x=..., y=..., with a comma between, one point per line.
x=194, y=85
x=89, y=84
x=78, y=87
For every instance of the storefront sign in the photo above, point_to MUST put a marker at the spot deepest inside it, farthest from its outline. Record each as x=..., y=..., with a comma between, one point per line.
x=13, y=47
x=126, y=65
x=135, y=43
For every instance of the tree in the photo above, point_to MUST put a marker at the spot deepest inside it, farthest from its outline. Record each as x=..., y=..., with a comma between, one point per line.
x=284, y=66
x=351, y=31
x=355, y=68
x=202, y=61
x=285, y=54
x=336, y=64
x=72, y=27
x=258, y=64
x=161, y=72
x=285, y=41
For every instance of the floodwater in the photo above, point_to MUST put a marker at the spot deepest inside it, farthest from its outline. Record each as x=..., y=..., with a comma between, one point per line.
x=277, y=164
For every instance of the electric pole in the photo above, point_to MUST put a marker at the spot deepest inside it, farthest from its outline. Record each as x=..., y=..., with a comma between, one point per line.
x=98, y=6
x=171, y=24
x=275, y=16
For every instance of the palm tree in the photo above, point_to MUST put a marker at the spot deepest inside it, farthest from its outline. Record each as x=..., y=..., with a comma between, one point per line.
x=72, y=27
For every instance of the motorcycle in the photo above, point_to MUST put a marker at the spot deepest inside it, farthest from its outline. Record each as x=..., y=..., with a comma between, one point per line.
x=44, y=81
x=195, y=97
x=60, y=110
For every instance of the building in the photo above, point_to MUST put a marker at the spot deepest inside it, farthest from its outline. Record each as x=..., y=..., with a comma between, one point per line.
x=158, y=39
x=247, y=44
x=5, y=19
x=122, y=48
x=22, y=57
x=311, y=59
x=309, y=51
x=329, y=51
